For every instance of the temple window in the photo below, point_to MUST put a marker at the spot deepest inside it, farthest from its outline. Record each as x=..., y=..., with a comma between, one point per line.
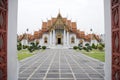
x=72, y=40
x=45, y=40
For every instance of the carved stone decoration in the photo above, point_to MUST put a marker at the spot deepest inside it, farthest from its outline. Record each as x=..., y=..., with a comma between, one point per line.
x=116, y=42
x=1, y=19
x=1, y=3
x=115, y=17
x=114, y=2
x=115, y=37
x=3, y=39
x=117, y=76
x=1, y=74
x=1, y=42
x=115, y=8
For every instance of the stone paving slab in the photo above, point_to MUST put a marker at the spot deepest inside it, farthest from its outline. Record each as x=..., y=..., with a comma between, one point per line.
x=60, y=64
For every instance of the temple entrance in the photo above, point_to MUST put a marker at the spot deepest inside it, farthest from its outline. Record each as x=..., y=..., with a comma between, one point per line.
x=59, y=40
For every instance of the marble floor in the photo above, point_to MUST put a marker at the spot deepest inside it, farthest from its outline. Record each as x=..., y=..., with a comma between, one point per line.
x=60, y=64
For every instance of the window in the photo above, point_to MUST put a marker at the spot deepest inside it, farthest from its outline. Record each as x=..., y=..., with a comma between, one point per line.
x=45, y=40
x=72, y=40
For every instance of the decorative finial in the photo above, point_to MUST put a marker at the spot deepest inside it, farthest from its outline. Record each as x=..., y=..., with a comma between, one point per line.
x=59, y=15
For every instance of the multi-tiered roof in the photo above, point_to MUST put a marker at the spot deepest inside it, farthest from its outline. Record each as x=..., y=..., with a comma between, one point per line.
x=69, y=25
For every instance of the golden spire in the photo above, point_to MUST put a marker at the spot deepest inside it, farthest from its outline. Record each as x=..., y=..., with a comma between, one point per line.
x=59, y=15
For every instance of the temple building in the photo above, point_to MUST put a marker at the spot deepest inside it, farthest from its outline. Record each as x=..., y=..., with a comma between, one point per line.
x=59, y=32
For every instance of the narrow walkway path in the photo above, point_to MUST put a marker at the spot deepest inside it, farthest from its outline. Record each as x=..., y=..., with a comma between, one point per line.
x=60, y=64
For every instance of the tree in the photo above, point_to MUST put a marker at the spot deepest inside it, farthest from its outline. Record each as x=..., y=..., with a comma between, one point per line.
x=19, y=46
x=100, y=47
x=93, y=46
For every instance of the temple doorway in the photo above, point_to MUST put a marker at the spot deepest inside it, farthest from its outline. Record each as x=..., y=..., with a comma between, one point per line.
x=59, y=40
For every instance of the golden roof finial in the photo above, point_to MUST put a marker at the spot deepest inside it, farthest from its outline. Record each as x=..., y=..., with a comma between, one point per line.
x=59, y=15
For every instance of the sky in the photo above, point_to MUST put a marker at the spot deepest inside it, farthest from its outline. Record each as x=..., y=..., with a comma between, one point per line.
x=87, y=13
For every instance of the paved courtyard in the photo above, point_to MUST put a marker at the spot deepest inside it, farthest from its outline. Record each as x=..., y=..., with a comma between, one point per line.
x=60, y=64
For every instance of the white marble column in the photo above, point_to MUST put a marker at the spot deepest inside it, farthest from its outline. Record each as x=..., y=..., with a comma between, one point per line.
x=67, y=38
x=53, y=37
x=50, y=38
x=64, y=37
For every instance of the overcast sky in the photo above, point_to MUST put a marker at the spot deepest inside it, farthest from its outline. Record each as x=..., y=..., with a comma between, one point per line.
x=87, y=13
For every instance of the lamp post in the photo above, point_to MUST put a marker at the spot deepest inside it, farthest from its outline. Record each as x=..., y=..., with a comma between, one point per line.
x=27, y=34
x=91, y=36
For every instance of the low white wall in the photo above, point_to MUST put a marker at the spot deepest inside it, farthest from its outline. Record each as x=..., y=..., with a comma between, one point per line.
x=12, y=41
x=94, y=41
x=85, y=42
x=108, y=47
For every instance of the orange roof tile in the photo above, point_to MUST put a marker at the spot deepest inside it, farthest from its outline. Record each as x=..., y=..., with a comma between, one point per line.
x=44, y=24
x=53, y=20
x=64, y=20
x=74, y=26
x=69, y=22
x=36, y=35
x=49, y=23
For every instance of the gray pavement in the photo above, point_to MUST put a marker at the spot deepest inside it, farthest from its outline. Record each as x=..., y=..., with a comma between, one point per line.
x=60, y=64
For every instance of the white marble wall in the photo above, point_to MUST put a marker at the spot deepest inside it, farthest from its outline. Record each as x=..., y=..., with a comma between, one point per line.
x=42, y=40
x=108, y=47
x=24, y=42
x=12, y=61
x=94, y=41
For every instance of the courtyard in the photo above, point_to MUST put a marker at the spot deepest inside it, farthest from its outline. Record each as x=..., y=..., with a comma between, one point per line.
x=60, y=64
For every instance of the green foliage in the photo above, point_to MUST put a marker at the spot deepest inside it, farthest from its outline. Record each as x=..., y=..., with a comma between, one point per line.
x=87, y=44
x=102, y=44
x=97, y=54
x=80, y=45
x=43, y=47
x=23, y=54
x=89, y=47
x=19, y=46
x=84, y=48
x=34, y=46
x=93, y=46
x=80, y=48
x=87, y=50
x=25, y=46
x=30, y=48
x=75, y=47
x=100, y=47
